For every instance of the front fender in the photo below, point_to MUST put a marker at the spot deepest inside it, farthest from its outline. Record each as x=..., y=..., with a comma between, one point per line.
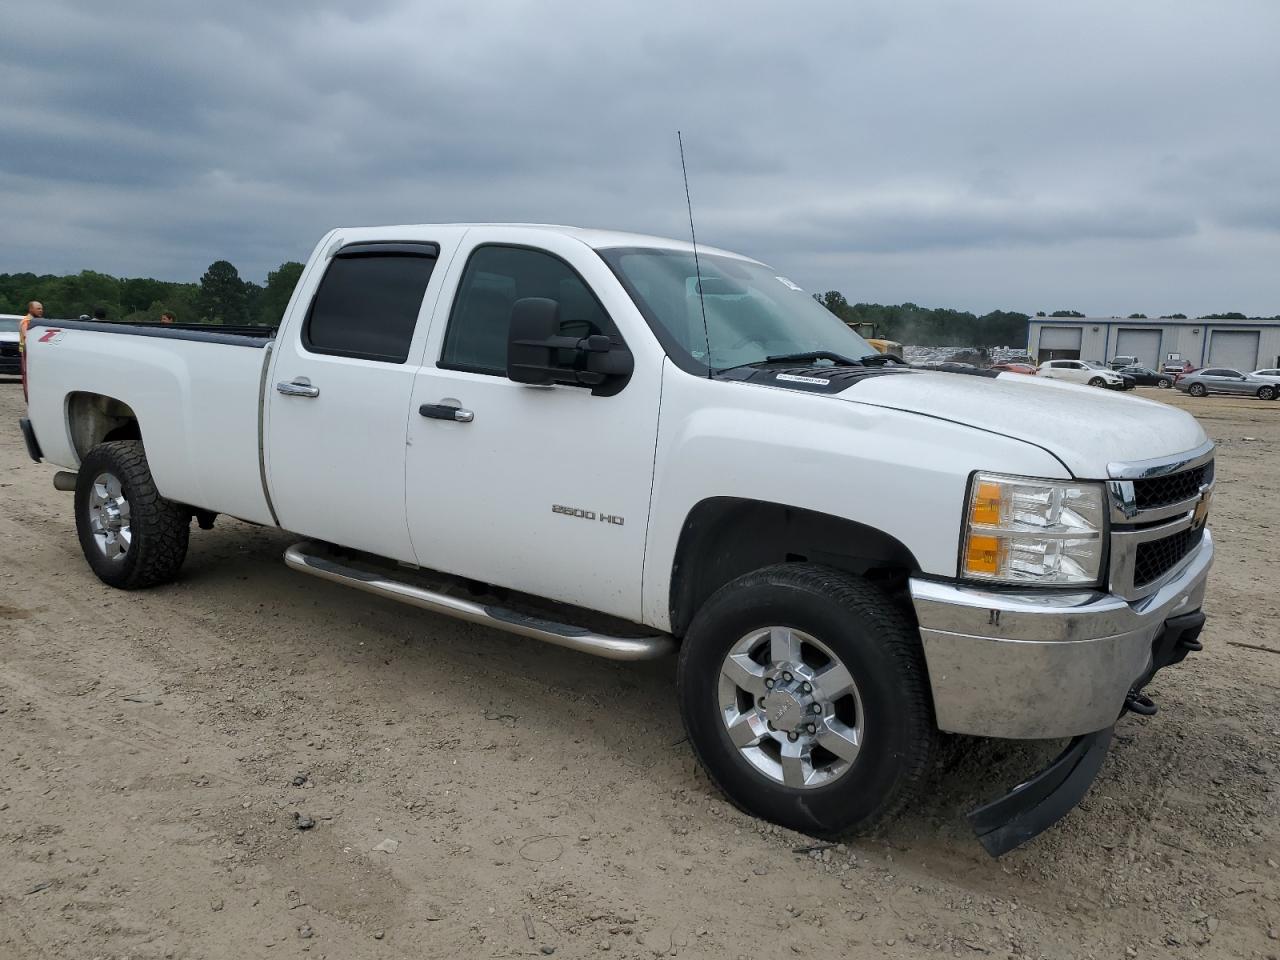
x=902, y=473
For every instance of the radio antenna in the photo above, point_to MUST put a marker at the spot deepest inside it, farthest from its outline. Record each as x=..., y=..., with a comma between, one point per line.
x=697, y=266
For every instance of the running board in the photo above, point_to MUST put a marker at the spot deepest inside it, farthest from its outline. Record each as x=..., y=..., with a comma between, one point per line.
x=314, y=559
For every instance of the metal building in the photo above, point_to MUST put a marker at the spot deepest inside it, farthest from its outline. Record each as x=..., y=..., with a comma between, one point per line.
x=1240, y=344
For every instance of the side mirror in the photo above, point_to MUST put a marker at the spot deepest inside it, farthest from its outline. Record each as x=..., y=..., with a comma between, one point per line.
x=539, y=353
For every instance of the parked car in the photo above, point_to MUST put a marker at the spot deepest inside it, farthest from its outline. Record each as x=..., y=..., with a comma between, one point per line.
x=1118, y=362
x=10, y=358
x=1177, y=366
x=586, y=467
x=1128, y=382
x=1146, y=377
x=1226, y=380
x=1271, y=374
x=1027, y=368
x=1078, y=371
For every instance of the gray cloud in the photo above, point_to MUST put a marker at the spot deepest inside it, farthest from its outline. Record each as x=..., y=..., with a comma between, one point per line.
x=993, y=155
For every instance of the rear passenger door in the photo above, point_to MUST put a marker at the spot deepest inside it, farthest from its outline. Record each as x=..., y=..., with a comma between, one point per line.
x=337, y=398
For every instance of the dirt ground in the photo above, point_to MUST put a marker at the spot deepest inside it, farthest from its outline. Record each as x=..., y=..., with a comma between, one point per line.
x=479, y=795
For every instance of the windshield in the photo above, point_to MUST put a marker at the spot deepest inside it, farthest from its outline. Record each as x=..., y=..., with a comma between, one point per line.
x=752, y=313
x=8, y=325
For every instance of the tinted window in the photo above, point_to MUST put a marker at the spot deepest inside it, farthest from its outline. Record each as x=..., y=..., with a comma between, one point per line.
x=495, y=278
x=367, y=306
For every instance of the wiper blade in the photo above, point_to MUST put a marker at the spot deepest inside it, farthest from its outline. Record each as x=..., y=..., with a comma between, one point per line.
x=809, y=355
x=878, y=359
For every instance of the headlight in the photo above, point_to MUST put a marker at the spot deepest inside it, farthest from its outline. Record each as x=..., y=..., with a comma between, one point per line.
x=1021, y=530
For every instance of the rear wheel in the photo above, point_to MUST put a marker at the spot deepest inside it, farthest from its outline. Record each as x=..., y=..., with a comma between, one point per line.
x=1266, y=393
x=130, y=535
x=1197, y=390
x=804, y=693
x=1096, y=382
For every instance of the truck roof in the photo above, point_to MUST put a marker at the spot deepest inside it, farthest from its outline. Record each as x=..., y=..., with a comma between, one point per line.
x=592, y=237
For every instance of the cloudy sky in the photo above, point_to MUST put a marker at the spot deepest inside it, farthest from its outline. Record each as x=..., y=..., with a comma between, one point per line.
x=1108, y=157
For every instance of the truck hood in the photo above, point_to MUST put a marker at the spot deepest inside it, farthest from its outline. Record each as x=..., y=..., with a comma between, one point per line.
x=1084, y=427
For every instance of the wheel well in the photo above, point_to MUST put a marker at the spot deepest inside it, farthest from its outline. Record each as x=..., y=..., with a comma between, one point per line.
x=94, y=418
x=726, y=537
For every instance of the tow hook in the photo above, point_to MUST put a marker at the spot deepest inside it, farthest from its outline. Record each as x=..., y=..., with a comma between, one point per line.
x=1139, y=703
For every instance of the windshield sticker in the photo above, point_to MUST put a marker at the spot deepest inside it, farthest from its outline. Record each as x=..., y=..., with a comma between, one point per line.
x=788, y=284
x=794, y=378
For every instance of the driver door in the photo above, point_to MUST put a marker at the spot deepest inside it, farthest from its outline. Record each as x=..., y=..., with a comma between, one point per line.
x=542, y=489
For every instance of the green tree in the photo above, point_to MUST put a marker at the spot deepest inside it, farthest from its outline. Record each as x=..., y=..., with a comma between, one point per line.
x=138, y=294
x=279, y=289
x=1066, y=313
x=252, y=301
x=1174, y=316
x=1137, y=316
x=222, y=295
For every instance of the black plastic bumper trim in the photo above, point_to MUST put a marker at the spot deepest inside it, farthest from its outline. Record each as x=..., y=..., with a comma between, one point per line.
x=29, y=435
x=1034, y=806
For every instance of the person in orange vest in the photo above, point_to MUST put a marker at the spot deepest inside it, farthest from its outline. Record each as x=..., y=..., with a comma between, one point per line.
x=35, y=310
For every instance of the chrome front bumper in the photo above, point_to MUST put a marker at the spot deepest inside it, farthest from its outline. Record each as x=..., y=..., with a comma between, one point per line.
x=1044, y=664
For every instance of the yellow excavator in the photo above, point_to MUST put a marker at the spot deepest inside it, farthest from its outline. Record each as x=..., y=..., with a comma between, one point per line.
x=867, y=331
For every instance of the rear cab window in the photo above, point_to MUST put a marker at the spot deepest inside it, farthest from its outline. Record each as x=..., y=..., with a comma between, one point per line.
x=367, y=303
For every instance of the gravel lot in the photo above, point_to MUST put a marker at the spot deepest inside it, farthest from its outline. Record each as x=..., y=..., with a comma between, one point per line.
x=475, y=794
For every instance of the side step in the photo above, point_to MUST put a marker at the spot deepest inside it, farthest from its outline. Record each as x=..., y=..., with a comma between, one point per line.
x=313, y=558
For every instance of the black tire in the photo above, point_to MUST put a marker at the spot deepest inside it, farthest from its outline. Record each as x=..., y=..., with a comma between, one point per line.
x=1197, y=390
x=1266, y=393
x=882, y=651
x=159, y=528
x=1097, y=382
x=1164, y=383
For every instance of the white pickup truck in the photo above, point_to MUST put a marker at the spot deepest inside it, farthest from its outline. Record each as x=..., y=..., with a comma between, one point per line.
x=603, y=441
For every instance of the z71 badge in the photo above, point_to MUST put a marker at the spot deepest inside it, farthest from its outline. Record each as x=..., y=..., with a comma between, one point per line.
x=581, y=514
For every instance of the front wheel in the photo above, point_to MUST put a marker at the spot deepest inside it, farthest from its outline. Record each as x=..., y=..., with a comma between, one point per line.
x=1096, y=382
x=1266, y=393
x=805, y=696
x=131, y=536
x=1197, y=390
x=1164, y=383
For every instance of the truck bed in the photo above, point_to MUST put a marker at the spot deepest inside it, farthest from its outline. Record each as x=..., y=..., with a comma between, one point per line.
x=195, y=390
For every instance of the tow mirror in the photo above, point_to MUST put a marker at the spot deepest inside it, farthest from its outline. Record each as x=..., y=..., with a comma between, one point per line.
x=538, y=352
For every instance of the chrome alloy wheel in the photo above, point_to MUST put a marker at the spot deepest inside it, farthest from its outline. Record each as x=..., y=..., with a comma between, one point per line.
x=109, y=517
x=791, y=707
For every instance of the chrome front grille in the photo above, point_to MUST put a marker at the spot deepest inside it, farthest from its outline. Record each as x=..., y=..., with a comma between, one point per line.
x=1158, y=512
x=1159, y=492
x=1153, y=559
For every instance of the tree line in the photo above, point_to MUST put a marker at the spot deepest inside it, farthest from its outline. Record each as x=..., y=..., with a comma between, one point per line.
x=943, y=327
x=930, y=326
x=221, y=296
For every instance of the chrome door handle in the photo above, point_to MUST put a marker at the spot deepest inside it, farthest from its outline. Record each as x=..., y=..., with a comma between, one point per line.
x=446, y=409
x=298, y=387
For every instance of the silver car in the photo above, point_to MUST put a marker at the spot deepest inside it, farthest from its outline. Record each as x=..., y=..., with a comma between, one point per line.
x=1225, y=380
